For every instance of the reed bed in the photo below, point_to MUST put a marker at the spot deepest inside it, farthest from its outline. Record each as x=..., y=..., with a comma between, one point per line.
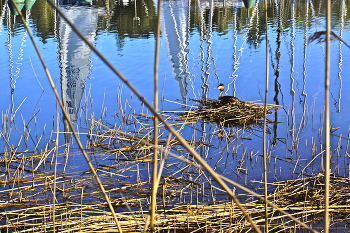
x=238, y=113
x=80, y=209
x=188, y=199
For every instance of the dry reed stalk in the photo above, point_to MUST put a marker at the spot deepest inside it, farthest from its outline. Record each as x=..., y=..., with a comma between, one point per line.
x=327, y=120
x=155, y=125
x=265, y=112
x=55, y=171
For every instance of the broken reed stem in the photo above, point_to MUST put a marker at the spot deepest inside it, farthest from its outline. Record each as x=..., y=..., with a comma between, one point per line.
x=163, y=160
x=65, y=113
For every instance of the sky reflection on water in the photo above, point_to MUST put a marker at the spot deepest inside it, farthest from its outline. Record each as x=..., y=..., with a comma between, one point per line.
x=203, y=43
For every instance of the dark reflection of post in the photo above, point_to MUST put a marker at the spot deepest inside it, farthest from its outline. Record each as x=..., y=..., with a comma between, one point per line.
x=174, y=33
x=75, y=57
x=340, y=63
x=277, y=72
x=136, y=19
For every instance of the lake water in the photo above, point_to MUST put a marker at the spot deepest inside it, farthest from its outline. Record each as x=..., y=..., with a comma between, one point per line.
x=202, y=44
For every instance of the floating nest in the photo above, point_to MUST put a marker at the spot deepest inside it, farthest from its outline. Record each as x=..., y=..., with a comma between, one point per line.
x=239, y=113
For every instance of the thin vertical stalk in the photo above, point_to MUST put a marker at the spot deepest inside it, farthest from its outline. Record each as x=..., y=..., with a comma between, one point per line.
x=264, y=131
x=55, y=177
x=155, y=127
x=67, y=117
x=326, y=127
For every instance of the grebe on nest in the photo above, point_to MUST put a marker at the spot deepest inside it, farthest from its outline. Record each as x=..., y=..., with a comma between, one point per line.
x=226, y=99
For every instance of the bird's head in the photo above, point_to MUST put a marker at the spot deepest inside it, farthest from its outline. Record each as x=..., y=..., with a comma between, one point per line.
x=220, y=87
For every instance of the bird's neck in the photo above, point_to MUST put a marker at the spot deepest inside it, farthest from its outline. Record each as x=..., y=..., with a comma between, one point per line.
x=221, y=91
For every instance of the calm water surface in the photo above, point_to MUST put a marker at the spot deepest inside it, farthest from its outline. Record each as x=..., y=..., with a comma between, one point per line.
x=203, y=43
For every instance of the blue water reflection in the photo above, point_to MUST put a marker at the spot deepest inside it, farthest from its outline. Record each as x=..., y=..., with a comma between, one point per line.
x=203, y=43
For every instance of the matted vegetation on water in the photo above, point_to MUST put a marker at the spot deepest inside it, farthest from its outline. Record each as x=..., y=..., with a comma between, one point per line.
x=188, y=199
x=80, y=206
x=238, y=113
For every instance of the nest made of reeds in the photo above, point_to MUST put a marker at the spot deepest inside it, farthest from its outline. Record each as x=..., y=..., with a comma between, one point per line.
x=235, y=114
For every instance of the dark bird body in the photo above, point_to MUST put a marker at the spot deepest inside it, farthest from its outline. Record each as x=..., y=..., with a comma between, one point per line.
x=226, y=98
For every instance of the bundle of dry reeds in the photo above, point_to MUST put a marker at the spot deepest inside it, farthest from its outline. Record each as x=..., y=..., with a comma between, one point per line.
x=234, y=114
